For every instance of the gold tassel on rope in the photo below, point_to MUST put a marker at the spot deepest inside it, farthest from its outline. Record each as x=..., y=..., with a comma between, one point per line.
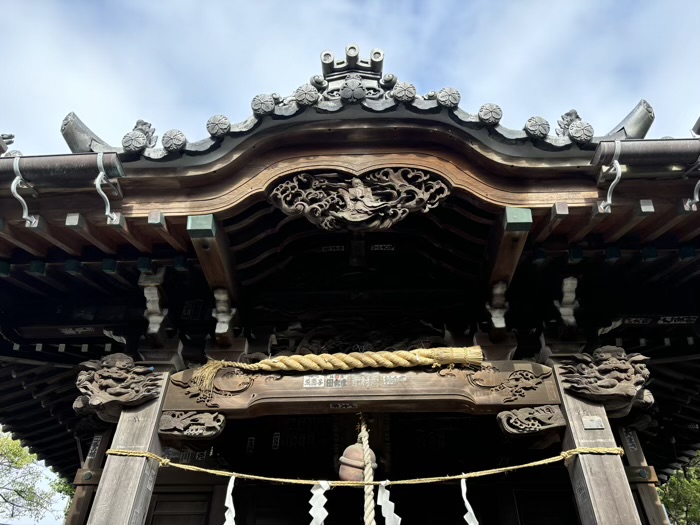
x=203, y=377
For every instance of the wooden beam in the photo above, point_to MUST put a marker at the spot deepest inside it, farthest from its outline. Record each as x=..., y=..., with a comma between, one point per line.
x=643, y=209
x=559, y=212
x=52, y=235
x=39, y=271
x=509, y=243
x=648, y=496
x=598, y=213
x=214, y=253
x=76, y=269
x=125, y=488
x=602, y=493
x=157, y=221
x=132, y=236
x=9, y=275
x=9, y=233
x=78, y=223
x=666, y=223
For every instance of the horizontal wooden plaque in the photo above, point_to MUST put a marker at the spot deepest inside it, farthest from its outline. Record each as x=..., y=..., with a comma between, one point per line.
x=498, y=385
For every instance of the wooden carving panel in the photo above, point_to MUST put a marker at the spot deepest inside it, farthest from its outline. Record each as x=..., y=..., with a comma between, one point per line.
x=496, y=385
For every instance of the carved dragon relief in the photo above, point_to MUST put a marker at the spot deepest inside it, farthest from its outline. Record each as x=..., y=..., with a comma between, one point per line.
x=609, y=376
x=531, y=420
x=369, y=202
x=109, y=384
x=191, y=424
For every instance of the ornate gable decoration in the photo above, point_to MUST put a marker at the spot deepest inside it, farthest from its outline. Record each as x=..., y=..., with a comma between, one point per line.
x=609, y=376
x=368, y=202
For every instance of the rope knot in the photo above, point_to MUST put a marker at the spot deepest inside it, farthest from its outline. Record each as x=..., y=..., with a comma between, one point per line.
x=164, y=462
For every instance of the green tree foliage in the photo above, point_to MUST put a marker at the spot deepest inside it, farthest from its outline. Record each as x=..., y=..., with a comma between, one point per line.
x=25, y=488
x=681, y=495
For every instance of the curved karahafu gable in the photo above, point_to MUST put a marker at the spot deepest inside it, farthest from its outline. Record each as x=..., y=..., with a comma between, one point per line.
x=356, y=89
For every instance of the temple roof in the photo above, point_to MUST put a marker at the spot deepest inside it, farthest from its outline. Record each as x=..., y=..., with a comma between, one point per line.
x=357, y=89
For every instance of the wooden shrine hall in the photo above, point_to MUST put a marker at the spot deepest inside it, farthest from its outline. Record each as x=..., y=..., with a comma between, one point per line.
x=362, y=304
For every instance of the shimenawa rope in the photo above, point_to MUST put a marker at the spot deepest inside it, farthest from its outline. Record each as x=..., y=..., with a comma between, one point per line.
x=204, y=376
x=566, y=455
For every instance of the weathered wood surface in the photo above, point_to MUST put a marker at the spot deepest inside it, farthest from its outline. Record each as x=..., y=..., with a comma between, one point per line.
x=125, y=489
x=648, y=496
x=602, y=493
x=497, y=385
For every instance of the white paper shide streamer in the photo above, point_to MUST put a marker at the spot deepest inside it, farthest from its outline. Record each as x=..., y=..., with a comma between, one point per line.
x=318, y=502
x=230, y=514
x=469, y=517
x=390, y=517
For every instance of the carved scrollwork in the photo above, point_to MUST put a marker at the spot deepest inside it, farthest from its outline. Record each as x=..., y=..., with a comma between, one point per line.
x=531, y=420
x=609, y=376
x=202, y=425
x=516, y=386
x=112, y=383
x=369, y=202
x=230, y=383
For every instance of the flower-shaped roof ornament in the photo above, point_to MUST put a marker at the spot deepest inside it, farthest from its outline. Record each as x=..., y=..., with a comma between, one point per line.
x=490, y=114
x=449, y=97
x=263, y=104
x=537, y=127
x=352, y=89
x=218, y=125
x=306, y=95
x=404, y=91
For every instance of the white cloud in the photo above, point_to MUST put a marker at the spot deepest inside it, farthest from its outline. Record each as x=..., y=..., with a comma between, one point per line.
x=178, y=63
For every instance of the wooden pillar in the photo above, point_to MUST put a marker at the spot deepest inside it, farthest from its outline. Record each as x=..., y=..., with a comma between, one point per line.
x=508, y=244
x=643, y=478
x=602, y=493
x=125, y=488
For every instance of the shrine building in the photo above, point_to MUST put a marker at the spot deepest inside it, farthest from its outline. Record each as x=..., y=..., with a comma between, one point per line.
x=361, y=305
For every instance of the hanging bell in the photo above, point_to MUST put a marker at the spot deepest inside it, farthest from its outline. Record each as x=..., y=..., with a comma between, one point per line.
x=352, y=463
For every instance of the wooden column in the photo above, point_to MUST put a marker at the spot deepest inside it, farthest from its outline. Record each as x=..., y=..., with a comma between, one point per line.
x=125, y=488
x=602, y=493
x=643, y=478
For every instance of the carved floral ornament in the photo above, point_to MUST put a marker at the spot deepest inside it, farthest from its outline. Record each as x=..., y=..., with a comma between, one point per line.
x=191, y=424
x=609, y=376
x=368, y=202
x=112, y=383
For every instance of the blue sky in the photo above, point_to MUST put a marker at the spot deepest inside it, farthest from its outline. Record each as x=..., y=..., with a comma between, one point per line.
x=176, y=63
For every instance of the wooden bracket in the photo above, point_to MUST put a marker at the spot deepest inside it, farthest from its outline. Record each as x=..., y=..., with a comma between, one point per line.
x=509, y=243
x=214, y=253
x=156, y=314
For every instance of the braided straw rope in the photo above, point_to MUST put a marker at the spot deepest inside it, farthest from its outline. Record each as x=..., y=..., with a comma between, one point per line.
x=369, y=471
x=565, y=456
x=204, y=376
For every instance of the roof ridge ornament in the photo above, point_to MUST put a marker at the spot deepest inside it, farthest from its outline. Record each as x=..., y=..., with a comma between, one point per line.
x=353, y=85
